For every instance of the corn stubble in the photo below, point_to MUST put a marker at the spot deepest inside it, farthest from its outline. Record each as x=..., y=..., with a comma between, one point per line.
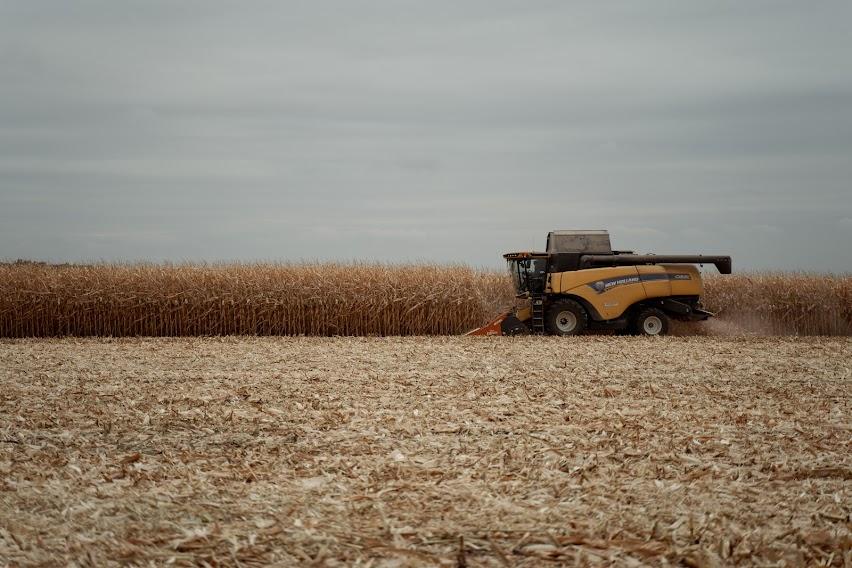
x=327, y=299
x=528, y=452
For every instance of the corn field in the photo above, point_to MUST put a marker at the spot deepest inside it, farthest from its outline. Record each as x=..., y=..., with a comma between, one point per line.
x=773, y=303
x=244, y=299
x=38, y=300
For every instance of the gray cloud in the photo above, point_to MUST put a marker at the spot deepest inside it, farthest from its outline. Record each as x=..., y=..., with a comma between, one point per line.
x=404, y=130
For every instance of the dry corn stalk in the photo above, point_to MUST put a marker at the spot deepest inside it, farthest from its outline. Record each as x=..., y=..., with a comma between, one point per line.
x=38, y=300
x=244, y=299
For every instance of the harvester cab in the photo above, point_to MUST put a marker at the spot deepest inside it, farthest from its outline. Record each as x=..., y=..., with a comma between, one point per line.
x=580, y=283
x=528, y=271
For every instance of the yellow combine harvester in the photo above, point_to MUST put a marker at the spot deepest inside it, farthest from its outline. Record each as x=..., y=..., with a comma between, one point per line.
x=580, y=283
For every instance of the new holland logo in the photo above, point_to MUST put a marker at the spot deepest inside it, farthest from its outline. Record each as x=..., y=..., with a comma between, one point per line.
x=602, y=286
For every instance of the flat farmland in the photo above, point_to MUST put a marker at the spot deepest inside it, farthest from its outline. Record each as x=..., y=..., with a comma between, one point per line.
x=448, y=451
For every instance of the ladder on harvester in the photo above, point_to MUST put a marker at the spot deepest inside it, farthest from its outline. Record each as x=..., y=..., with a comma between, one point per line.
x=537, y=321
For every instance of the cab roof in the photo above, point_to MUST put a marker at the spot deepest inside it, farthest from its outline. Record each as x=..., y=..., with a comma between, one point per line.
x=525, y=254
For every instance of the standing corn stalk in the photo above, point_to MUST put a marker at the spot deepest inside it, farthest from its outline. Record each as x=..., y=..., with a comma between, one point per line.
x=38, y=300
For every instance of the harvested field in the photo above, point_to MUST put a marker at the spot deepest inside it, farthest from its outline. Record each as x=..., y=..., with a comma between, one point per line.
x=426, y=451
x=129, y=300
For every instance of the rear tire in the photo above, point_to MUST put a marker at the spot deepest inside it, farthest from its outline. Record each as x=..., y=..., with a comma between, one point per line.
x=566, y=317
x=651, y=322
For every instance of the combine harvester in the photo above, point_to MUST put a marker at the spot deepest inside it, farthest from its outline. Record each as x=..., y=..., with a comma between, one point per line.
x=580, y=283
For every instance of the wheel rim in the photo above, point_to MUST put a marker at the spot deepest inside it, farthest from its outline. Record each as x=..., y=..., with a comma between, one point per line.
x=566, y=321
x=652, y=325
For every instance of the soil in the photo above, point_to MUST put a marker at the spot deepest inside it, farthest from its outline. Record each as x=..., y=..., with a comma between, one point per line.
x=453, y=451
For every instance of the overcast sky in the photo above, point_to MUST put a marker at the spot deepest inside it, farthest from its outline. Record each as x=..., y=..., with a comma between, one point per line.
x=429, y=130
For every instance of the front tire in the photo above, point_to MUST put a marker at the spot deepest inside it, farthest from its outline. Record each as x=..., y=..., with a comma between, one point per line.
x=651, y=322
x=566, y=317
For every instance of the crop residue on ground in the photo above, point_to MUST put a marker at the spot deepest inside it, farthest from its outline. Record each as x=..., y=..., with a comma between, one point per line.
x=426, y=451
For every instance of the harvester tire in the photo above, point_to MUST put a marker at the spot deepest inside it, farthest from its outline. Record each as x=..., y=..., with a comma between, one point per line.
x=651, y=321
x=566, y=317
